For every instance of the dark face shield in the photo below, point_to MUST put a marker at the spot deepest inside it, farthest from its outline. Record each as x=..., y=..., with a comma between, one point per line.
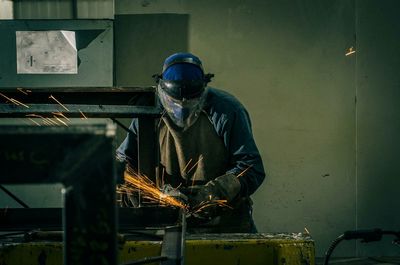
x=183, y=108
x=183, y=89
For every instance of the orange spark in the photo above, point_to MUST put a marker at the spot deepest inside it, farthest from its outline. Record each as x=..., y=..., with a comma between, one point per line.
x=83, y=115
x=46, y=121
x=184, y=169
x=206, y=204
x=51, y=121
x=4, y=96
x=200, y=158
x=137, y=182
x=22, y=91
x=60, y=120
x=244, y=171
x=350, y=51
x=35, y=122
x=16, y=102
x=60, y=114
x=53, y=98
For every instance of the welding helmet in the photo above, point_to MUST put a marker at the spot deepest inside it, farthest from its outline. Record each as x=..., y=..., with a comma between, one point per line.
x=182, y=88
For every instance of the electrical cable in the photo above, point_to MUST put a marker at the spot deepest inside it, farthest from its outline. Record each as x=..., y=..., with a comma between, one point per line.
x=331, y=248
x=366, y=236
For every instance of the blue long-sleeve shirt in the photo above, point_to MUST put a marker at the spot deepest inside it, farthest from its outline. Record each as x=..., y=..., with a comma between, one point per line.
x=232, y=123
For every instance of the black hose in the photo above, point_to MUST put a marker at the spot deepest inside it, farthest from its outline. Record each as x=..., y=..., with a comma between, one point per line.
x=366, y=236
x=332, y=247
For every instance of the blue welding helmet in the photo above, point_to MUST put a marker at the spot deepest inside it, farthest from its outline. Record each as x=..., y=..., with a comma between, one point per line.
x=182, y=88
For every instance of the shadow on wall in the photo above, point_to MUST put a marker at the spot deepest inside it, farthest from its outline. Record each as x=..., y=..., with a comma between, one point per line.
x=142, y=42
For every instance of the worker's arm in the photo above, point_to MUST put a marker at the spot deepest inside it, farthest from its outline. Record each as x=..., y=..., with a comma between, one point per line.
x=232, y=123
x=244, y=156
x=246, y=171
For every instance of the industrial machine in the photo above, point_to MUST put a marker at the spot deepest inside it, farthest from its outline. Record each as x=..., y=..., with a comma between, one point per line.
x=79, y=153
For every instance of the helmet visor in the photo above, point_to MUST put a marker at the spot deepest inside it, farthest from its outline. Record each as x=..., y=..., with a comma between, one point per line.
x=184, y=112
x=183, y=89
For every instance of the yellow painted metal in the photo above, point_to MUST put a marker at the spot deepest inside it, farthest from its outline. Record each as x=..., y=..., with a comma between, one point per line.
x=135, y=250
x=208, y=249
x=48, y=253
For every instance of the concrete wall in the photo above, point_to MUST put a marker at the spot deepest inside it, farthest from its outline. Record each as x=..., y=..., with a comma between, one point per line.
x=331, y=160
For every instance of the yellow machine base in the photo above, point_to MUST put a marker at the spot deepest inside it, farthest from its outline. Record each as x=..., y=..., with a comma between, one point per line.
x=218, y=249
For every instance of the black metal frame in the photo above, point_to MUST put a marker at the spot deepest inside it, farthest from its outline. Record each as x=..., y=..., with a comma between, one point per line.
x=89, y=213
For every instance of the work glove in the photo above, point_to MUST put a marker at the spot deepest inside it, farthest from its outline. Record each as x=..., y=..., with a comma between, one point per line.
x=204, y=200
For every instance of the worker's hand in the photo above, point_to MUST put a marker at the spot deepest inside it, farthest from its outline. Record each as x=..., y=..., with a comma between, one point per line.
x=206, y=199
x=168, y=190
x=201, y=201
x=201, y=194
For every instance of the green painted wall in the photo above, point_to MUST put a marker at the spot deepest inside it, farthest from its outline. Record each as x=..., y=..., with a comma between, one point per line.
x=378, y=121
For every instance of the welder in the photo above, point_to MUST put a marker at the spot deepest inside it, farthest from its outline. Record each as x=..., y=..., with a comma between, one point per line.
x=206, y=146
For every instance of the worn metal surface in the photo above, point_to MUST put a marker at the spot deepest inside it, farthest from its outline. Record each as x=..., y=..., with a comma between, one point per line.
x=201, y=249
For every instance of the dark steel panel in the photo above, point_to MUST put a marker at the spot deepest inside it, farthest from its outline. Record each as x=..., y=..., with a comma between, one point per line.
x=47, y=155
x=18, y=219
x=89, y=215
x=82, y=158
x=147, y=148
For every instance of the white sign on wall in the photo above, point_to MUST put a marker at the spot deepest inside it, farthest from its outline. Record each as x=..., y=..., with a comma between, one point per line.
x=46, y=52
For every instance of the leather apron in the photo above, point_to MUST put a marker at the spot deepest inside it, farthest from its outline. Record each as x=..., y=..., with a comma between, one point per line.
x=194, y=157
